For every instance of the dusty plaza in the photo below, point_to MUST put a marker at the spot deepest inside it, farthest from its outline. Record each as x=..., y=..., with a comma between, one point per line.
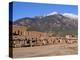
x=49, y=50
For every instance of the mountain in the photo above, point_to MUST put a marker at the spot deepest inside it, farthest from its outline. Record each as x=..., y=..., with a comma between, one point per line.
x=54, y=22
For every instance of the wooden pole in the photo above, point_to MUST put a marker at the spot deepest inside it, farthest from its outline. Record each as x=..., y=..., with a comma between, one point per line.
x=30, y=42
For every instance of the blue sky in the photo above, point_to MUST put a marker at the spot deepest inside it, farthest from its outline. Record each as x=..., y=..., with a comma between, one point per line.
x=26, y=9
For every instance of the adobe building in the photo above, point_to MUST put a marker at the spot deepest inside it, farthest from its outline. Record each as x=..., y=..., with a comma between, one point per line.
x=23, y=38
x=18, y=30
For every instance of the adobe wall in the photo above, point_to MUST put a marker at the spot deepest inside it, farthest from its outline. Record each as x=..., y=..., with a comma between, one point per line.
x=20, y=30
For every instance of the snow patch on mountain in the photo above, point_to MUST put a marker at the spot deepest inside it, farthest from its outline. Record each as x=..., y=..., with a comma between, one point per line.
x=52, y=13
x=70, y=15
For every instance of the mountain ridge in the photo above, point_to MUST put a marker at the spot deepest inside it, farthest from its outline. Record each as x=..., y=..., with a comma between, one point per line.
x=52, y=23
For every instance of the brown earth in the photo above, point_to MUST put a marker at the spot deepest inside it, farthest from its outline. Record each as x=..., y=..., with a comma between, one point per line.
x=49, y=50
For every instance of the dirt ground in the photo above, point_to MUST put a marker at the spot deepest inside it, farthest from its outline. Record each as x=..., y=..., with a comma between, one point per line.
x=48, y=50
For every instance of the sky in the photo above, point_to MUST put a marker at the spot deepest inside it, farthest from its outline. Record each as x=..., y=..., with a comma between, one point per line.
x=27, y=9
